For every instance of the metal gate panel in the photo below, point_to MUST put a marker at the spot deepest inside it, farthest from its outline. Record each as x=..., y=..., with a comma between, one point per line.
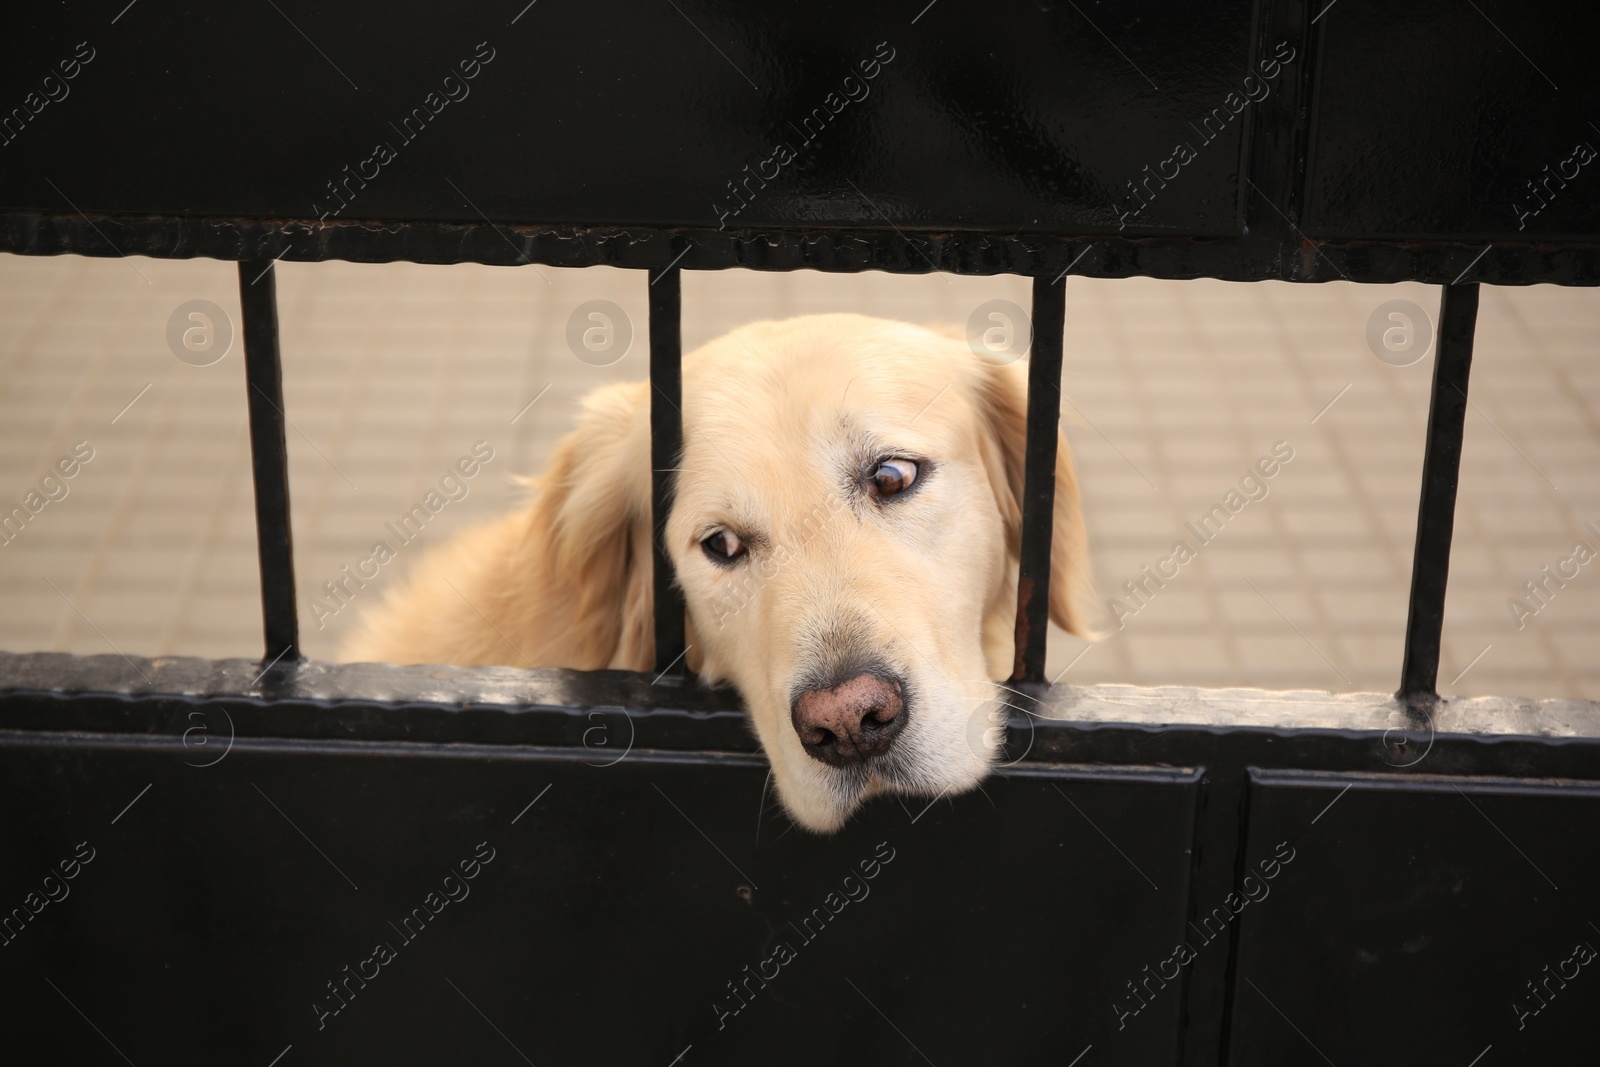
x=628, y=912
x=258, y=825
x=1460, y=121
x=471, y=111
x=1431, y=917
x=1048, y=142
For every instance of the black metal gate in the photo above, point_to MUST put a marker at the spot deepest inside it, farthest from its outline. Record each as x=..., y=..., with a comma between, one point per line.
x=282, y=861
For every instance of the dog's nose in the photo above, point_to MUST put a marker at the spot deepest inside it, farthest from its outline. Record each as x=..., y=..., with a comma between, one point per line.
x=853, y=721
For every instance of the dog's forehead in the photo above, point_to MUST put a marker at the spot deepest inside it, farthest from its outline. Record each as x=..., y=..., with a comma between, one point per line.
x=815, y=381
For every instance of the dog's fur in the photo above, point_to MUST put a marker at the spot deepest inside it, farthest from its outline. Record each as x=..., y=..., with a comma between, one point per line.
x=784, y=423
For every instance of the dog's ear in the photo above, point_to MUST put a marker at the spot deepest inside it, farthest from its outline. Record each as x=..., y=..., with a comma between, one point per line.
x=589, y=534
x=1003, y=392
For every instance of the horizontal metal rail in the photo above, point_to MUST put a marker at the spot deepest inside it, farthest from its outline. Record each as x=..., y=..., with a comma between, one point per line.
x=505, y=707
x=1255, y=257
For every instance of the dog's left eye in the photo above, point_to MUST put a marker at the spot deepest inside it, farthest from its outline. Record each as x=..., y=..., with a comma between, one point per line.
x=893, y=476
x=723, y=546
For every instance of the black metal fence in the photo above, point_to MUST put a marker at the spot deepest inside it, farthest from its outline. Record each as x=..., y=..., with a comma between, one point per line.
x=1431, y=914
x=1435, y=520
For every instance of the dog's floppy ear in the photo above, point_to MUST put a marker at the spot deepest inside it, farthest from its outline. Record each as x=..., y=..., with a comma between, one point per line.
x=589, y=534
x=1003, y=392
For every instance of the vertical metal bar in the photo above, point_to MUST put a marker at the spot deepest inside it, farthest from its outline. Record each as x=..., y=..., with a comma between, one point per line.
x=1039, y=473
x=258, y=304
x=1436, y=514
x=666, y=448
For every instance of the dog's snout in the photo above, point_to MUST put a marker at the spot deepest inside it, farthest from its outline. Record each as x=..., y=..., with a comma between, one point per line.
x=852, y=721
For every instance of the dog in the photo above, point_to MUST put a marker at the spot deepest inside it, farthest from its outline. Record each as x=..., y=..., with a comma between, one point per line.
x=845, y=530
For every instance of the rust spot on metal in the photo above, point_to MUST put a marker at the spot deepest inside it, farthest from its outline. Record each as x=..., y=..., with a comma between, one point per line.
x=1024, y=598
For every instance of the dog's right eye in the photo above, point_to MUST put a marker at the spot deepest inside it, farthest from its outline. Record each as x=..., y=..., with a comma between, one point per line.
x=723, y=547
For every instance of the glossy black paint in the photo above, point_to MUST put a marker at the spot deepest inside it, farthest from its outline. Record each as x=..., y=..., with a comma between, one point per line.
x=1039, y=489
x=269, y=454
x=1011, y=118
x=613, y=943
x=1011, y=138
x=1431, y=119
x=666, y=449
x=1436, y=510
x=1490, y=883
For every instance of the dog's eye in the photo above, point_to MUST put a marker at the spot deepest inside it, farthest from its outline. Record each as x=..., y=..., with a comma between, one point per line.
x=893, y=476
x=723, y=546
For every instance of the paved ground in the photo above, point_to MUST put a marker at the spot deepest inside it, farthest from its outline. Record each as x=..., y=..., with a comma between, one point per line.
x=1176, y=390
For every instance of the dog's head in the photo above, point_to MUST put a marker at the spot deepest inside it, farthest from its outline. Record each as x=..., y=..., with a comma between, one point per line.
x=845, y=530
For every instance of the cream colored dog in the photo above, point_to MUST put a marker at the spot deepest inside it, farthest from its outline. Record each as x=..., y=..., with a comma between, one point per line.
x=845, y=530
